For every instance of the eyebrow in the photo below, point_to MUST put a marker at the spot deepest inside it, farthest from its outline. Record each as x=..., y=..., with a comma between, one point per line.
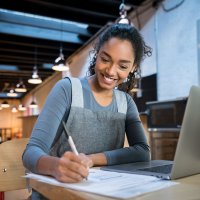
x=124, y=61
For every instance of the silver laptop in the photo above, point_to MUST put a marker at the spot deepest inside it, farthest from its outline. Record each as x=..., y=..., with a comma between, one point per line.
x=187, y=157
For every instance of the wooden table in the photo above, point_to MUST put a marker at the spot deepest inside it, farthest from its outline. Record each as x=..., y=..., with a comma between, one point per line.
x=189, y=188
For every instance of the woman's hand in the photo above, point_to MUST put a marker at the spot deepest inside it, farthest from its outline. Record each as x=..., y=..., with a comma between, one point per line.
x=71, y=168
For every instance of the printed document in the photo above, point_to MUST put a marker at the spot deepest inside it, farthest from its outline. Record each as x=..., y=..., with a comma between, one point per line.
x=111, y=184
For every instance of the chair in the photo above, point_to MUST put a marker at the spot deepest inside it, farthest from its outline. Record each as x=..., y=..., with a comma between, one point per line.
x=11, y=165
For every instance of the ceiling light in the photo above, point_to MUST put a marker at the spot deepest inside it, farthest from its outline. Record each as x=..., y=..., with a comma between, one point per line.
x=59, y=64
x=21, y=107
x=35, y=77
x=123, y=19
x=12, y=93
x=14, y=109
x=20, y=87
x=5, y=104
x=33, y=105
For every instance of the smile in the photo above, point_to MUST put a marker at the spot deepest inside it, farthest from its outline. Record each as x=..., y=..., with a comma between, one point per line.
x=109, y=79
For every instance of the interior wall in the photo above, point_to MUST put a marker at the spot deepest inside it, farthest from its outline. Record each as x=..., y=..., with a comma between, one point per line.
x=9, y=119
x=173, y=36
x=39, y=94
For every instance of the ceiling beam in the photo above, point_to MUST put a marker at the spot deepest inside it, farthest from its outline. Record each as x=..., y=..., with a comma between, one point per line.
x=35, y=32
x=43, y=22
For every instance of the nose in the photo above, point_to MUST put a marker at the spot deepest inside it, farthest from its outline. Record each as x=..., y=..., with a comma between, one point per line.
x=111, y=70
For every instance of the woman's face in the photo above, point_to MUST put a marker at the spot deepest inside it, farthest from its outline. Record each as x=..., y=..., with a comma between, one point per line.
x=115, y=61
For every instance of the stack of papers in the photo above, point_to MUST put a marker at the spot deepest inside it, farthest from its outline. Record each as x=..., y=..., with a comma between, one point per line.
x=111, y=184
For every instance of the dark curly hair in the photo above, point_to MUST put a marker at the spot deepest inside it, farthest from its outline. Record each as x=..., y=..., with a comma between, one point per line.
x=123, y=32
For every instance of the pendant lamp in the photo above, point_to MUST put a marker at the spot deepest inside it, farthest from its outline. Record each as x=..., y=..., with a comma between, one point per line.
x=123, y=19
x=21, y=107
x=14, y=109
x=12, y=93
x=59, y=64
x=33, y=104
x=20, y=87
x=35, y=79
x=5, y=104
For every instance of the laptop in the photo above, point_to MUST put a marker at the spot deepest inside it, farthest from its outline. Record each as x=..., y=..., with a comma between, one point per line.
x=187, y=157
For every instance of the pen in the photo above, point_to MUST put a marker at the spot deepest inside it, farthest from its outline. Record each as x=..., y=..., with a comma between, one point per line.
x=69, y=138
x=71, y=142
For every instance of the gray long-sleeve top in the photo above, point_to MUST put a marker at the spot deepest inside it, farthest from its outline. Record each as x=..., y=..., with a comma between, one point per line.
x=58, y=102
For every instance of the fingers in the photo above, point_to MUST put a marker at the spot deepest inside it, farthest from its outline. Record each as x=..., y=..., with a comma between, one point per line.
x=71, y=168
x=86, y=161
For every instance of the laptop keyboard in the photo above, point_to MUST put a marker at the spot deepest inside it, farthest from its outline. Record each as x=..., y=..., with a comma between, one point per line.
x=166, y=169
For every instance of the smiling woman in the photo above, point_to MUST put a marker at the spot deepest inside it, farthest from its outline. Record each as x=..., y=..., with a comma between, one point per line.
x=96, y=114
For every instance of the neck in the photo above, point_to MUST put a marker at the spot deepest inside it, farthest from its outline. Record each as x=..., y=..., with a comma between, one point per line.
x=95, y=87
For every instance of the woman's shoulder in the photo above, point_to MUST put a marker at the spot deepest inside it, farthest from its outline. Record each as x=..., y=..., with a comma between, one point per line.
x=66, y=82
x=129, y=99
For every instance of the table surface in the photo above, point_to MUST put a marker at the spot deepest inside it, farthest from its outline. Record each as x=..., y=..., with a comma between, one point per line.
x=189, y=188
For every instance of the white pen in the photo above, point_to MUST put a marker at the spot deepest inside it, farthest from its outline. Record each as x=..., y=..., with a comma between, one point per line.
x=71, y=142
x=69, y=138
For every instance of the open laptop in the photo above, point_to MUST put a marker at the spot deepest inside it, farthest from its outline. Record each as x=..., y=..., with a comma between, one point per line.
x=187, y=157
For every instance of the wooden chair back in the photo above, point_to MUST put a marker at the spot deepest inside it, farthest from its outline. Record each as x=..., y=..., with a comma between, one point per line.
x=11, y=165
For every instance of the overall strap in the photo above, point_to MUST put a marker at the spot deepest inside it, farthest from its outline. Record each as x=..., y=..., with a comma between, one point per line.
x=77, y=92
x=77, y=100
x=121, y=101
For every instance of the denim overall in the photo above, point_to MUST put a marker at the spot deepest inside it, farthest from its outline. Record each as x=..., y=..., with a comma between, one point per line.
x=93, y=131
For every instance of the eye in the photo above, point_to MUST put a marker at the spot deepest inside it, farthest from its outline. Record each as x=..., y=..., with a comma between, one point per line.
x=104, y=59
x=123, y=67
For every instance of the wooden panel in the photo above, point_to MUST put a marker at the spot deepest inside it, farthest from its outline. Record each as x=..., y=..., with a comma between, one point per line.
x=27, y=125
x=11, y=167
x=163, y=145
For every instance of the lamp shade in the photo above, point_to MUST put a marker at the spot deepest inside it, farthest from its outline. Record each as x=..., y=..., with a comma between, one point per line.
x=35, y=79
x=20, y=87
x=33, y=105
x=14, y=109
x=59, y=64
x=5, y=104
x=21, y=107
x=12, y=93
x=123, y=19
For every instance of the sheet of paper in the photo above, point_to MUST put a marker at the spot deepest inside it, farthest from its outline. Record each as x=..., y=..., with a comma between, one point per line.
x=112, y=184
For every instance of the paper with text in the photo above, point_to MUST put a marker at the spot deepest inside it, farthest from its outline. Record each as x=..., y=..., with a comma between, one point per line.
x=111, y=184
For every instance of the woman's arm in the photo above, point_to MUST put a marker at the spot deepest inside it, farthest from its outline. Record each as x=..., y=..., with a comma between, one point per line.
x=138, y=149
x=68, y=168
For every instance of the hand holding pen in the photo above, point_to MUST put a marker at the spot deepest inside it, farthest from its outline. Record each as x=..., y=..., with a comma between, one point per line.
x=84, y=158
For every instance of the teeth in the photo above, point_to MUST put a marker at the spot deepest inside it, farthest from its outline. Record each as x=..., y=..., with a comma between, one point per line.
x=108, y=79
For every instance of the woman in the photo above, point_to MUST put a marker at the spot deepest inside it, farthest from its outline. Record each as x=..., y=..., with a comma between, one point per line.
x=96, y=114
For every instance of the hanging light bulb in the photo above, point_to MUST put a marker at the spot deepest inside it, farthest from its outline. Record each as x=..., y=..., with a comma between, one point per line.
x=21, y=107
x=12, y=93
x=20, y=87
x=5, y=104
x=14, y=109
x=123, y=19
x=35, y=79
x=59, y=64
x=33, y=104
